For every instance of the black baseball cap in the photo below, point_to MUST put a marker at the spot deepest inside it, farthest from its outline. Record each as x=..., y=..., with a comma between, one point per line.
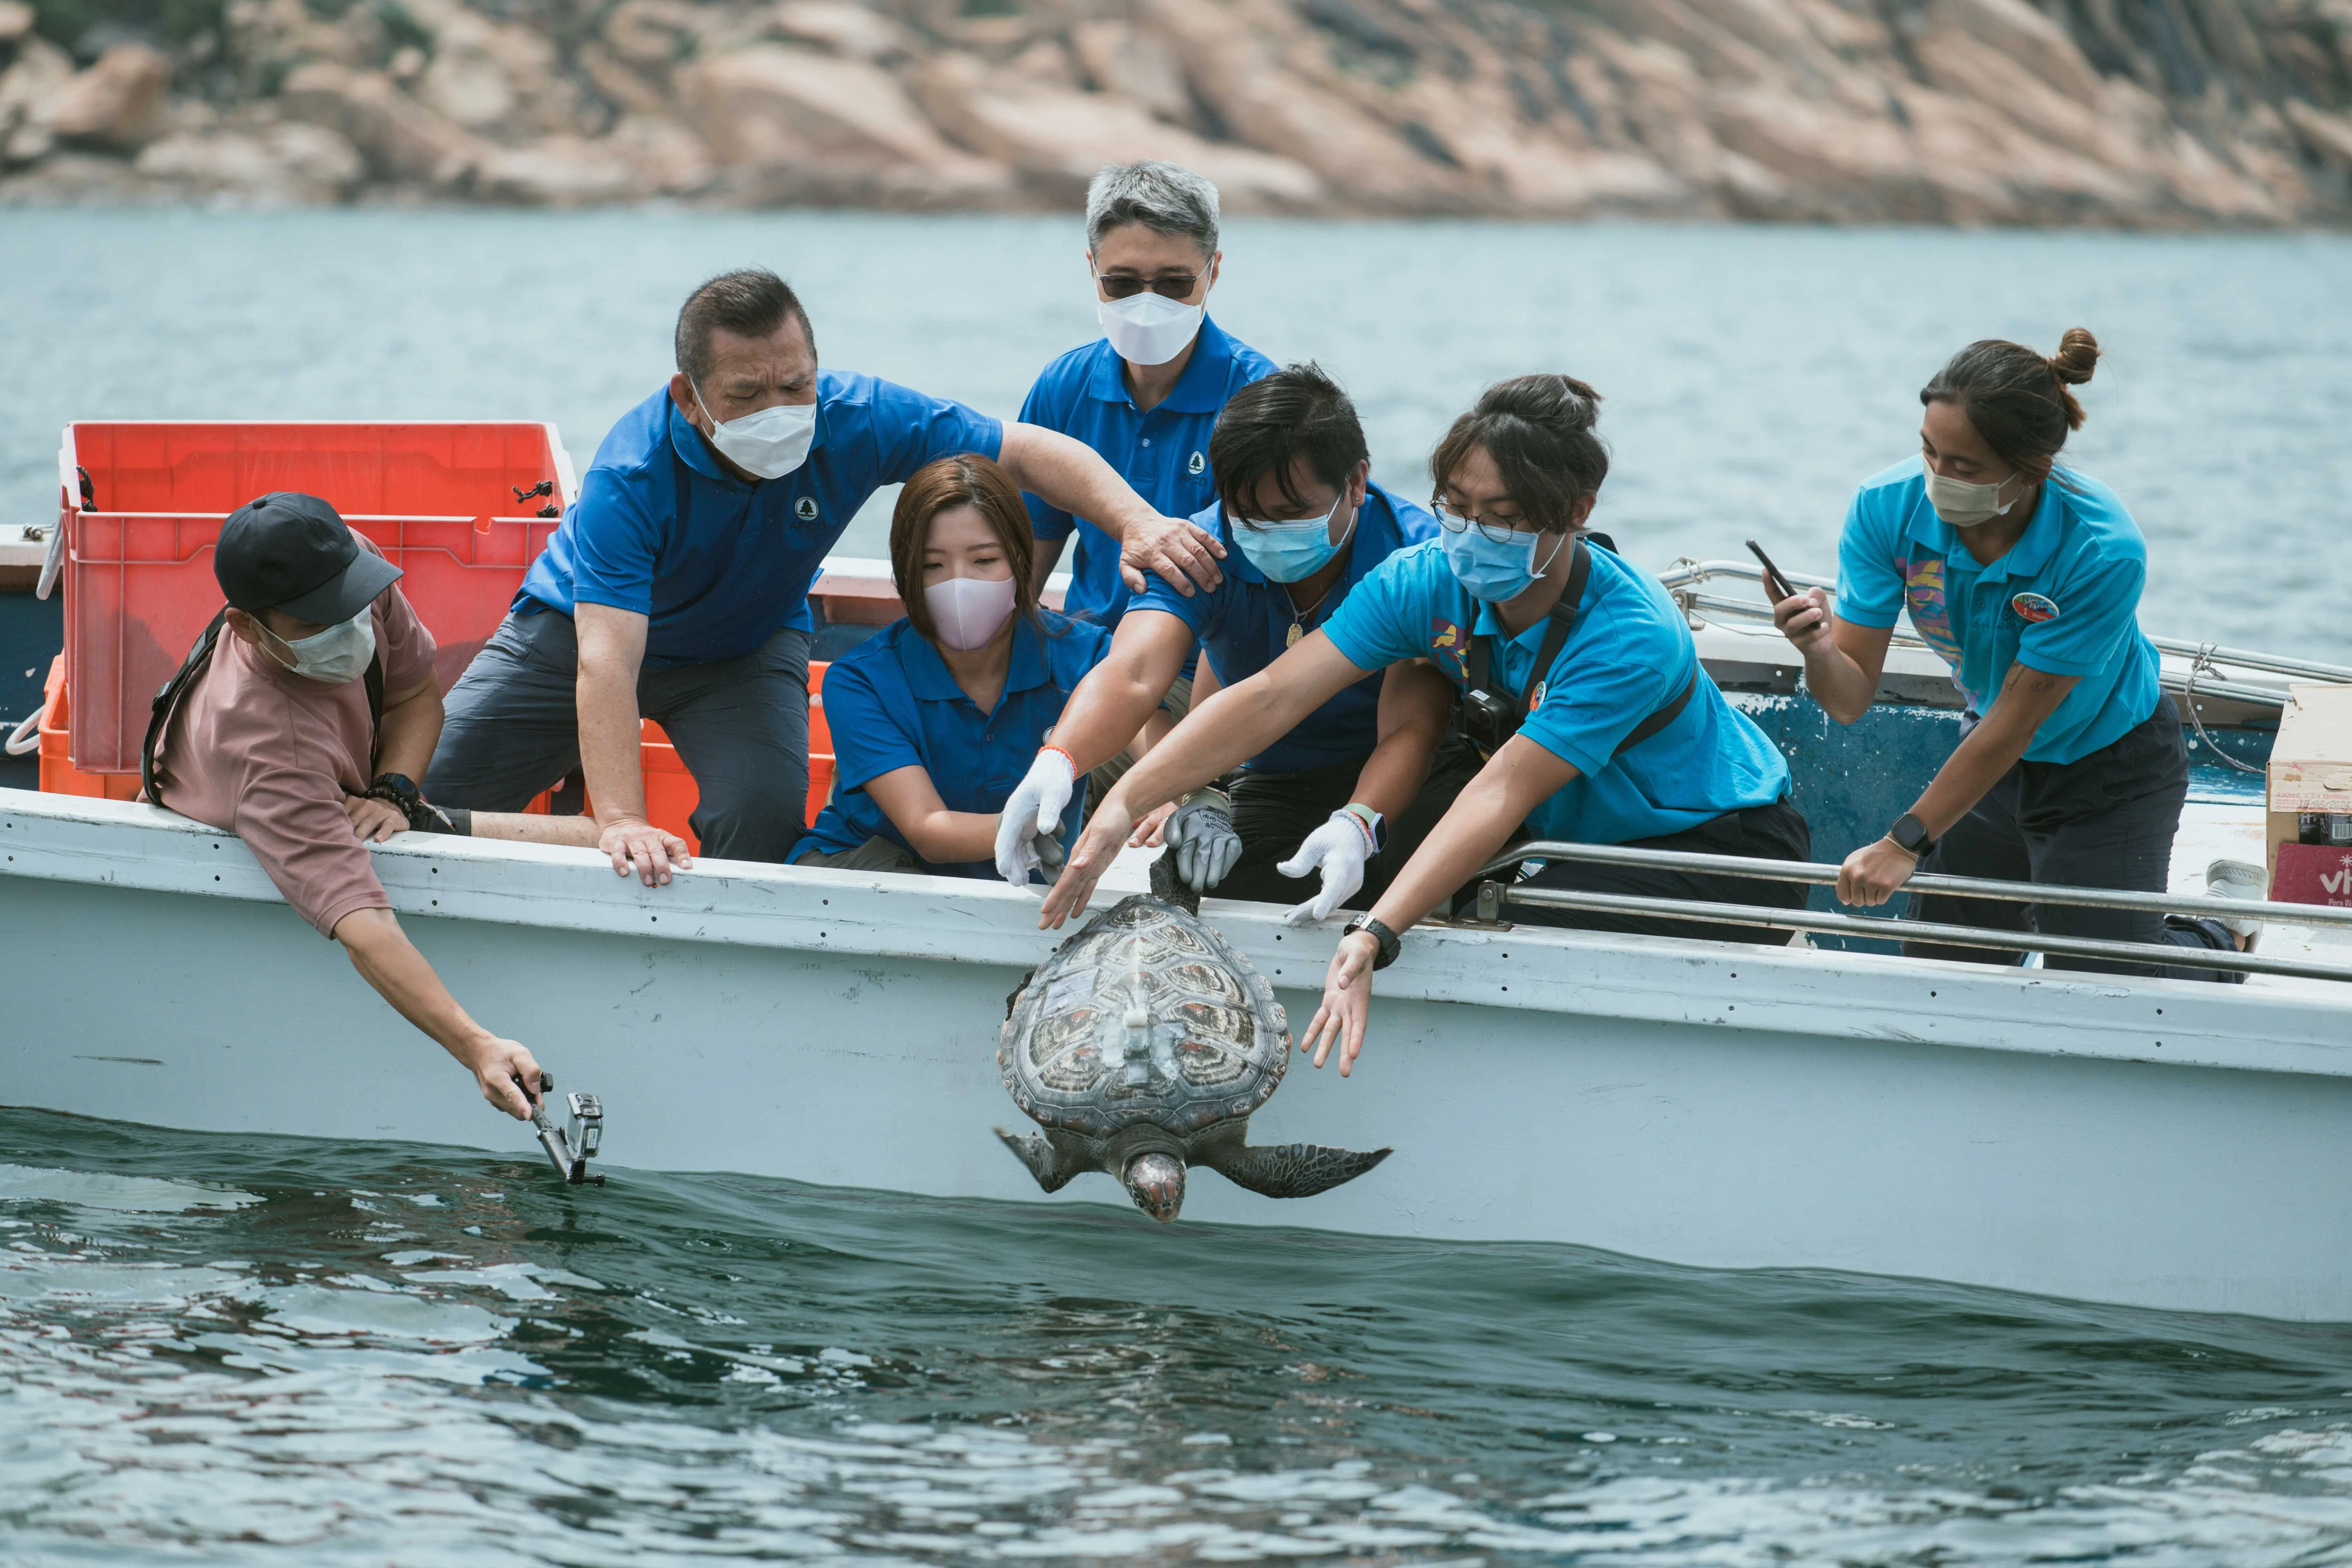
x=290, y=551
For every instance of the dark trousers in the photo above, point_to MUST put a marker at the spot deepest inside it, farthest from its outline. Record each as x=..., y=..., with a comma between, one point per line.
x=1273, y=812
x=2104, y=821
x=1776, y=832
x=741, y=726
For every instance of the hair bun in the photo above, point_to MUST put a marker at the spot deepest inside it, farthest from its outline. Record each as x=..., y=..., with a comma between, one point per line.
x=2077, y=356
x=1558, y=402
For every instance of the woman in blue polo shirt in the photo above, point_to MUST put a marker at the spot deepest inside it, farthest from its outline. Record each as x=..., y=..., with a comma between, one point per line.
x=1609, y=730
x=935, y=717
x=2026, y=577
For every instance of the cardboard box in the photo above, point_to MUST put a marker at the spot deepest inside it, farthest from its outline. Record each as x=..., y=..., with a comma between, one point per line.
x=2311, y=771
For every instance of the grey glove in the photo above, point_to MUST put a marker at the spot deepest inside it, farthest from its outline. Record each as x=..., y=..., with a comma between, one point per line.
x=1202, y=835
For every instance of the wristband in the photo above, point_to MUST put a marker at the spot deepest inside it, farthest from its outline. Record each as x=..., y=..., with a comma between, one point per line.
x=1376, y=828
x=1383, y=938
x=1064, y=754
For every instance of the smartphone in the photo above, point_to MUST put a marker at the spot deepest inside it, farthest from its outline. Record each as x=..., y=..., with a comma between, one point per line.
x=1774, y=583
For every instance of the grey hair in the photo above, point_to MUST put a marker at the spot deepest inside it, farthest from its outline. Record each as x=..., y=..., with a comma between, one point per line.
x=1168, y=197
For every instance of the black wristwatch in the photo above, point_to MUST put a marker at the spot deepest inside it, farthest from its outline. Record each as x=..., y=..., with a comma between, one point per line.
x=1910, y=836
x=400, y=791
x=1387, y=939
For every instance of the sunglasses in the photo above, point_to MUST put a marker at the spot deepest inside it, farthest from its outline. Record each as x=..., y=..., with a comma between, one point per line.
x=1126, y=286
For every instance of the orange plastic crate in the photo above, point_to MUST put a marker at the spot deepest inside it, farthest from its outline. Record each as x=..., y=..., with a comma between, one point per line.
x=671, y=793
x=438, y=499
x=58, y=776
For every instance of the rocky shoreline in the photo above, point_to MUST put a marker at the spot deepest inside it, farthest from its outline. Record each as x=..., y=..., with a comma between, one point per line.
x=2117, y=113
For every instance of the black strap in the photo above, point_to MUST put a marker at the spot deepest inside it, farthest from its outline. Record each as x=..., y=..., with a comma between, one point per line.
x=1563, y=621
x=167, y=700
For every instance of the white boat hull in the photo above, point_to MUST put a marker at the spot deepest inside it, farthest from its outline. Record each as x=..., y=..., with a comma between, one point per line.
x=2152, y=1142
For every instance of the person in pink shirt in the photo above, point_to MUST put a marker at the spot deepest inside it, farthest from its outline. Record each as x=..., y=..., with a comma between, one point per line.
x=300, y=723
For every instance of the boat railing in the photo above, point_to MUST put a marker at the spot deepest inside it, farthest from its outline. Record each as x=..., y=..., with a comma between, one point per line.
x=1682, y=579
x=1494, y=895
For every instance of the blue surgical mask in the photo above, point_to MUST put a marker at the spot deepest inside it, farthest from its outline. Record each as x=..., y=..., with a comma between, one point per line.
x=1289, y=551
x=1494, y=570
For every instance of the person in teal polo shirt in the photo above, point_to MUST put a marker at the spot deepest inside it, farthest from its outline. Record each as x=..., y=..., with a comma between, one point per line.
x=2025, y=576
x=935, y=717
x=1611, y=732
x=1303, y=525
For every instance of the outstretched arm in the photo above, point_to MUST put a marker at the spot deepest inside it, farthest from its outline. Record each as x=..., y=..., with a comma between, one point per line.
x=2028, y=696
x=1238, y=723
x=1067, y=473
x=388, y=960
x=612, y=650
x=1490, y=809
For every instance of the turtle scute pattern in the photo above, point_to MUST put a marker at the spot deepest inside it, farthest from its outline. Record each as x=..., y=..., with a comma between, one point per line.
x=1232, y=1038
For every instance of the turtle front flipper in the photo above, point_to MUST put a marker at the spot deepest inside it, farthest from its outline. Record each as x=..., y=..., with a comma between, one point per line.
x=1051, y=1163
x=1290, y=1170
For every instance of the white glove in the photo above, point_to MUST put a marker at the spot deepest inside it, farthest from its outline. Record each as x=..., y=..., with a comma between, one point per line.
x=1340, y=846
x=1032, y=812
x=1201, y=836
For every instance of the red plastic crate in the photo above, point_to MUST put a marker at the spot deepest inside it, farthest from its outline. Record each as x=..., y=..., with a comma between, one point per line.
x=437, y=499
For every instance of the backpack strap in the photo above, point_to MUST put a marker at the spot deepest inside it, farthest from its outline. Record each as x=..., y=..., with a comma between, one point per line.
x=168, y=699
x=1559, y=624
x=1661, y=718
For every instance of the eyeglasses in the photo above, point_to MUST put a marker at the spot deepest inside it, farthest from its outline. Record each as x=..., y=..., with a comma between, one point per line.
x=1494, y=528
x=1127, y=286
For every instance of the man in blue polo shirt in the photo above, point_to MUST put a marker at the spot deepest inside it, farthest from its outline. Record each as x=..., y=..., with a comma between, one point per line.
x=676, y=586
x=1145, y=393
x=1303, y=526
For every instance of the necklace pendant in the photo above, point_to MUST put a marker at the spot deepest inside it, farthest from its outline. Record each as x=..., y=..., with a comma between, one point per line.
x=1290, y=638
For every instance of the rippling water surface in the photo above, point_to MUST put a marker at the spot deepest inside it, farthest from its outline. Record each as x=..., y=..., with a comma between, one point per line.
x=242, y=1350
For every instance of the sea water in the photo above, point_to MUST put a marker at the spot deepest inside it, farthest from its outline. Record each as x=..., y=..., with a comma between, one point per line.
x=1750, y=377
x=261, y=1351
x=243, y=1350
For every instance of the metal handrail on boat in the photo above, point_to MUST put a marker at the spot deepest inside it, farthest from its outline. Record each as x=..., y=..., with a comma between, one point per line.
x=1820, y=875
x=1680, y=576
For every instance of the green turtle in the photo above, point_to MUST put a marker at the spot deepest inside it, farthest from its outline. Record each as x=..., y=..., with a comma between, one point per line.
x=1141, y=1046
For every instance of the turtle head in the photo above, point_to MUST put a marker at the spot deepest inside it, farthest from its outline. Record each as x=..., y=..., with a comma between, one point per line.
x=1156, y=1182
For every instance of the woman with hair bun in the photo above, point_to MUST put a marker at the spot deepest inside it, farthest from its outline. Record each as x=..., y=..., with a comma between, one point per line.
x=2025, y=576
x=935, y=717
x=1580, y=685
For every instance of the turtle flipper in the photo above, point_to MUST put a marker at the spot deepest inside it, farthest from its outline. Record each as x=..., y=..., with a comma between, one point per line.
x=1290, y=1170
x=1048, y=1164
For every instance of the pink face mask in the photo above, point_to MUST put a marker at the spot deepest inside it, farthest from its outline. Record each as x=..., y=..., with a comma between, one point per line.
x=967, y=611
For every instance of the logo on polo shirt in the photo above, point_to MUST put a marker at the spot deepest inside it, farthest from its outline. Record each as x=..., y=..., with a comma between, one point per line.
x=805, y=508
x=1535, y=698
x=1197, y=465
x=2034, y=608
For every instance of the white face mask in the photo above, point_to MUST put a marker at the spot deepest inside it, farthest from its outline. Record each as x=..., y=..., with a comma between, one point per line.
x=1147, y=330
x=336, y=655
x=1964, y=504
x=771, y=443
x=967, y=611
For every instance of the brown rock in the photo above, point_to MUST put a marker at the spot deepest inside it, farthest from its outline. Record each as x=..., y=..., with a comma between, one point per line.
x=2023, y=38
x=830, y=129
x=2329, y=136
x=558, y=172
x=852, y=31
x=668, y=157
x=1231, y=55
x=1127, y=62
x=285, y=163
x=1056, y=139
x=29, y=91
x=117, y=102
x=400, y=138
x=655, y=33
x=16, y=22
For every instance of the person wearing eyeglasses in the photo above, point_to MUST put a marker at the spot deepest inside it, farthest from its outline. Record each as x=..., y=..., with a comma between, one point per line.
x=1581, y=685
x=1304, y=526
x=1145, y=393
x=2025, y=576
x=935, y=717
